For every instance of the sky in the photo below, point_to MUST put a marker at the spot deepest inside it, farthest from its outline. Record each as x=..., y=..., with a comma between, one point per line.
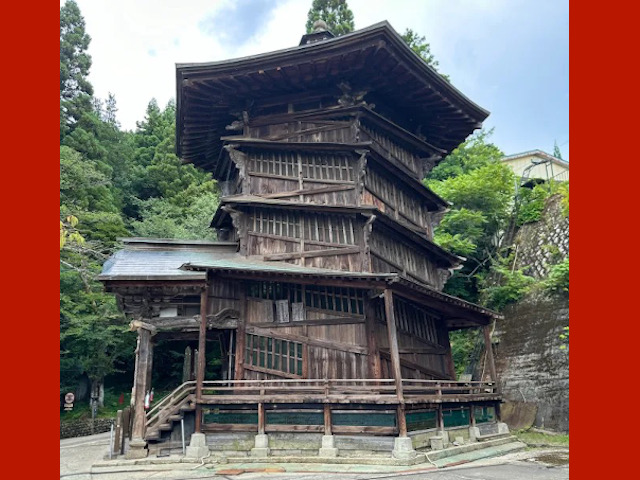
x=509, y=56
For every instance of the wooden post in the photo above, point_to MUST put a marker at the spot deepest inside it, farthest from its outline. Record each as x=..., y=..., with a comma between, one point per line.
x=489, y=353
x=472, y=416
x=449, y=356
x=261, y=419
x=139, y=415
x=240, y=334
x=373, y=359
x=393, y=342
x=135, y=373
x=327, y=419
x=395, y=359
x=186, y=365
x=202, y=339
x=150, y=365
x=402, y=421
x=498, y=416
x=118, y=440
x=440, y=418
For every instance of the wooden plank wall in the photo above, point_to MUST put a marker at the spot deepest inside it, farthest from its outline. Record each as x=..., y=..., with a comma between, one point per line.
x=418, y=331
x=389, y=254
x=327, y=241
x=334, y=342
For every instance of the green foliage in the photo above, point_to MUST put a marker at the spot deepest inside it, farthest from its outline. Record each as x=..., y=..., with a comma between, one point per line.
x=541, y=439
x=473, y=153
x=532, y=201
x=335, y=13
x=421, y=47
x=557, y=280
x=462, y=344
x=75, y=89
x=480, y=189
x=556, y=150
x=564, y=336
x=504, y=284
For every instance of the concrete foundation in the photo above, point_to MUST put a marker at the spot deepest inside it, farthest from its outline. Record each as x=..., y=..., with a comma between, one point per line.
x=198, y=446
x=503, y=427
x=403, y=449
x=328, y=449
x=261, y=448
x=137, y=449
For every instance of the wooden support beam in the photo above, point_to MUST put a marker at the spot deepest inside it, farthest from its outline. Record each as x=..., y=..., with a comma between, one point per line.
x=327, y=419
x=472, y=416
x=375, y=370
x=489, y=353
x=240, y=334
x=451, y=368
x=393, y=342
x=440, y=424
x=202, y=341
x=402, y=421
x=139, y=416
x=261, y=419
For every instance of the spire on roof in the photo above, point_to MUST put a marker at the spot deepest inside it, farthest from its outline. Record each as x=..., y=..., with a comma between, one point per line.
x=319, y=33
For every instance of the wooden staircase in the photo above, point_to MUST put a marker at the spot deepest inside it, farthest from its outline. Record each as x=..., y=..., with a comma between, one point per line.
x=169, y=410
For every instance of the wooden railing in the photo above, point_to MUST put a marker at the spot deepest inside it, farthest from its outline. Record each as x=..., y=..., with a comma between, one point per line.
x=344, y=391
x=170, y=404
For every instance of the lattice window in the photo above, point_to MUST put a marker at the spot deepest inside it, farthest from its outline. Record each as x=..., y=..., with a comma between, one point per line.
x=314, y=166
x=414, y=320
x=281, y=164
x=337, y=299
x=327, y=167
x=329, y=229
x=282, y=224
x=274, y=354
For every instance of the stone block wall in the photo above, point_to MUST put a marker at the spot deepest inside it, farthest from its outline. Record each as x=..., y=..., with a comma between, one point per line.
x=81, y=428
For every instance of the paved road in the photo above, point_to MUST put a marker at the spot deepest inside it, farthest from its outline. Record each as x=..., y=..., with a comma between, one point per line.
x=77, y=455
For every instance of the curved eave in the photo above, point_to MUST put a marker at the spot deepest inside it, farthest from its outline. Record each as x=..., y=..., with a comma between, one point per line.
x=206, y=91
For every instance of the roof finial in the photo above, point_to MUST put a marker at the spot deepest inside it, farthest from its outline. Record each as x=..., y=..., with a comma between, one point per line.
x=319, y=26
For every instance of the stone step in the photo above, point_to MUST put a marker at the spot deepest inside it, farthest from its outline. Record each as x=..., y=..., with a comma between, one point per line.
x=434, y=455
x=486, y=452
x=492, y=436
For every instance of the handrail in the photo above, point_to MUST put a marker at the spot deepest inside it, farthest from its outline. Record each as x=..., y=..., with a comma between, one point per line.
x=174, y=399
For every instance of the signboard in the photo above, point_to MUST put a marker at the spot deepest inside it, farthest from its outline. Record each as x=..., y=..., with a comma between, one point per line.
x=68, y=401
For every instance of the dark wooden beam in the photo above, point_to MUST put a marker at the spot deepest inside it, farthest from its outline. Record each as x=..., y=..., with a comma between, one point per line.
x=202, y=340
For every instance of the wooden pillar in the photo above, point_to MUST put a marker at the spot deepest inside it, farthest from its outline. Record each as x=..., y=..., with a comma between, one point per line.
x=240, y=334
x=327, y=419
x=451, y=368
x=489, y=353
x=498, y=415
x=149, y=365
x=261, y=419
x=440, y=425
x=395, y=359
x=393, y=342
x=373, y=359
x=132, y=402
x=139, y=415
x=472, y=416
x=402, y=421
x=202, y=339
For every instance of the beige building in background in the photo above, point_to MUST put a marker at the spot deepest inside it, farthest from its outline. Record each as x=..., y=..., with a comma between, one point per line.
x=545, y=166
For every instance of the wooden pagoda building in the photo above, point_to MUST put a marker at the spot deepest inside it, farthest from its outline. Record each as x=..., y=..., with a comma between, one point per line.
x=325, y=284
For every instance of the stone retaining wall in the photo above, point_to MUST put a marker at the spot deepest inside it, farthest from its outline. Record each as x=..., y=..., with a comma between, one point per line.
x=81, y=428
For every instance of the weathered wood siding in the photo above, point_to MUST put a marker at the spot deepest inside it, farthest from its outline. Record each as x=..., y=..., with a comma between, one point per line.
x=314, y=240
x=396, y=201
x=324, y=331
x=390, y=254
x=391, y=148
x=423, y=349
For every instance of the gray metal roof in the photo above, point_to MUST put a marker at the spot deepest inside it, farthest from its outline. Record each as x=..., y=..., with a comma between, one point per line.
x=158, y=259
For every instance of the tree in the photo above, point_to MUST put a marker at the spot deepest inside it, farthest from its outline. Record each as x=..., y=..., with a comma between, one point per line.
x=335, y=13
x=422, y=48
x=481, y=190
x=556, y=150
x=75, y=90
